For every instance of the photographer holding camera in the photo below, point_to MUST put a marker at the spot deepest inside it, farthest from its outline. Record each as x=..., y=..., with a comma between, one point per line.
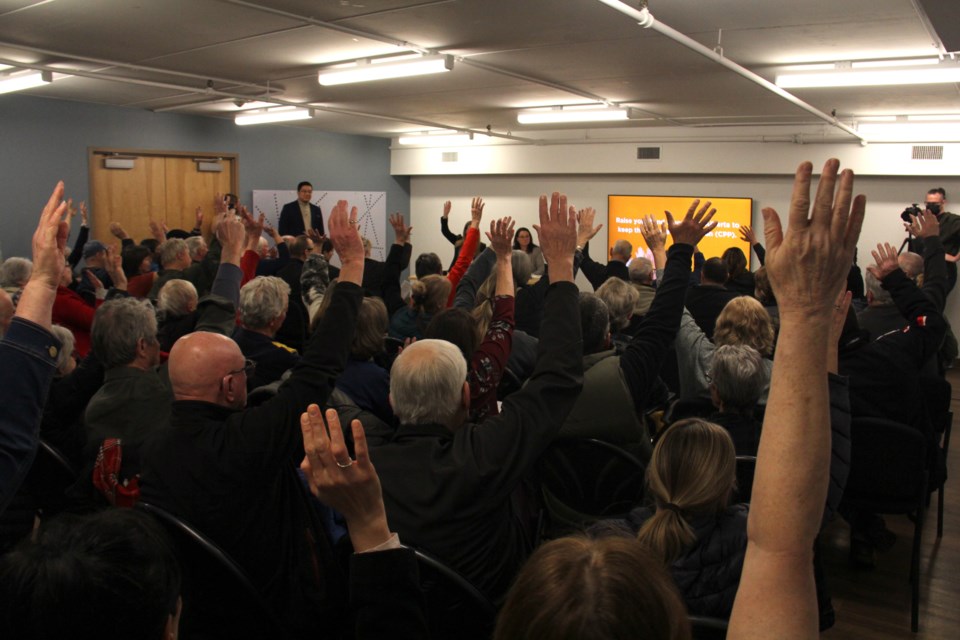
x=936, y=203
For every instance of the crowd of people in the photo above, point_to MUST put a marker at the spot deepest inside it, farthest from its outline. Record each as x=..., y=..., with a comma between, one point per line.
x=317, y=424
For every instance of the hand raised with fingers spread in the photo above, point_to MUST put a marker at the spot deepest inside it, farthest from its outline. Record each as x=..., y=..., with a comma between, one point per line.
x=747, y=235
x=118, y=231
x=352, y=487
x=476, y=212
x=501, y=237
x=400, y=230
x=231, y=234
x=654, y=234
x=585, y=229
x=220, y=204
x=926, y=225
x=345, y=236
x=157, y=232
x=885, y=258
x=809, y=262
x=50, y=241
x=198, y=217
x=694, y=226
x=84, y=215
x=114, y=268
x=446, y=209
x=557, y=233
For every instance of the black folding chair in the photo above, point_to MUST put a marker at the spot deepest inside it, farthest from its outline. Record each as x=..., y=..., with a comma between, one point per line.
x=455, y=608
x=219, y=600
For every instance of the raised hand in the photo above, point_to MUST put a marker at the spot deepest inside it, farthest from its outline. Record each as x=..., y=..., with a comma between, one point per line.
x=446, y=209
x=92, y=278
x=114, y=268
x=84, y=216
x=926, y=225
x=476, y=212
x=198, y=218
x=231, y=234
x=747, y=235
x=157, y=232
x=809, y=263
x=655, y=235
x=219, y=204
x=271, y=231
x=694, y=226
x=50, y=241
x=557, y=233
x=345, y=236
x=886, y=261
x=501, y=237
x=118, y=231
x=350, y=486
x=400, y=229
x=585, y=229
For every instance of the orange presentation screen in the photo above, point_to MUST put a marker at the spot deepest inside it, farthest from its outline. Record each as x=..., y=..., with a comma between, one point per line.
x=625, y=212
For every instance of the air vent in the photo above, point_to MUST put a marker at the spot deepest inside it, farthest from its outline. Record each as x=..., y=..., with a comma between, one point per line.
x=449, y=156
x=928, y=152
x=648, y=153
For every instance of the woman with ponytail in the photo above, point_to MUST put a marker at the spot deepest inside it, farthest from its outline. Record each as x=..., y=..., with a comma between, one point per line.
x=691, y=527
x=428, y=296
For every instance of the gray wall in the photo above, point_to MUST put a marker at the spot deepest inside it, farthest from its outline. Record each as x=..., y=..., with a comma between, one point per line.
x=46, y=140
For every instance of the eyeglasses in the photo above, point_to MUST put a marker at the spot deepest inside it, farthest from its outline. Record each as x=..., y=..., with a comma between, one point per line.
x=249, y=366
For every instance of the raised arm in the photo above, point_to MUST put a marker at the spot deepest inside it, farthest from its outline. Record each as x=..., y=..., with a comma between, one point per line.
x=927, y=228
x=469, y=248
x=808, y=265
x=748, y=236
x=445, y=225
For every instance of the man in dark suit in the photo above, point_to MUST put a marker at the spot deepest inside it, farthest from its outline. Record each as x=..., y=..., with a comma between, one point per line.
x=294, y=214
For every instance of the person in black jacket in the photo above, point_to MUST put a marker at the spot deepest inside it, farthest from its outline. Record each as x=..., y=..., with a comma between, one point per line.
x=294, y=214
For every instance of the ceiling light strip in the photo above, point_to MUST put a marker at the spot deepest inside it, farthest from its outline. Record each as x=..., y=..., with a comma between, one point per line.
x=366, y=71
x=280, y=114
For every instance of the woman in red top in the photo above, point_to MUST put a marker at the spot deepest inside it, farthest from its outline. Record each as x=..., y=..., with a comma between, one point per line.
x=72, y=311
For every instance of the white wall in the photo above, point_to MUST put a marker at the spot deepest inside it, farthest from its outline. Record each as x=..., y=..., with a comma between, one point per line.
x=517, y=196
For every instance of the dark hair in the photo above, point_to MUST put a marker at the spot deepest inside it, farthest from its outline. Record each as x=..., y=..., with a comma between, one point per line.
x=516, y=242
x=298, y=247
x=303, y=184
x=939, y=190
x=327, y=246
x=735, y=260
x=369, y=329
x=582, y=589
x=132, y=257
x=595, y=321
x=151, y=244
x=428, y=264
x=458, y=327
x=715, y=270
x=110, y=574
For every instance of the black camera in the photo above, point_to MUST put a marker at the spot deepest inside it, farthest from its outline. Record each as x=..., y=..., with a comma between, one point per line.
x=911, y=211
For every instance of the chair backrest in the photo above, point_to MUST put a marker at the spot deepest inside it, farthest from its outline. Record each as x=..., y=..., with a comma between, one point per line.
x=455, y=608
x=705, y=628
x=49, y=478
x=585, y=480
x=219, y=600
x=887, y=463
x=746, y=468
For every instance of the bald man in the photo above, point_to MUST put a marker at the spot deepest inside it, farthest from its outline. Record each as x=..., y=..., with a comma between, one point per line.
x=6, y=312
x=229, y=471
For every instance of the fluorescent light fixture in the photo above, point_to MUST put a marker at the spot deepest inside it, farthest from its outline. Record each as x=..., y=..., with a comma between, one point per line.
x=439, y=138
x=911, y=132
x=877, y=119
x=946, y=117
x=895, y=72
x=590, y=113
x=25, y=80
x=279, y=114
x=386, y=68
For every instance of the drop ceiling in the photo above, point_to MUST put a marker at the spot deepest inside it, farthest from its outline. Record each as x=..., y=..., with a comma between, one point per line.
x=204, y=57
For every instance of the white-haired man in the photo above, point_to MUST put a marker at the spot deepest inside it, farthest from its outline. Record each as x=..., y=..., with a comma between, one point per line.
x=263, y=309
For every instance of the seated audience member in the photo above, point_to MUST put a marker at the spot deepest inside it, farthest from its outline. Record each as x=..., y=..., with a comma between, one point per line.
x=458, y=241
x=738, y=376
x=198, y=248
x=621, y=300
x=74, y=312
x=617, y=389
x=137, y=266
x=15, y=273
x=299, y=250
x=486, y=354
x=523, y=241
x=176, y=306
x=447, y=483
x=764, y=293
x=608, y=587
x=326, y=251
x=776, y=594
x=706, y=300
x=691, y=527
x=739, y=278
x=62, y=425
x=428, y=297
x=428, y=264
x=382, y=279
x=108, y=574
x=263, y=308
x=6, y=311
x=226, y=470
x=881, y=315
x=175, y=263
x=95, y=260
x=273, y=258
x=597, y=274
x=641, y=278
x=742, y=321
x=748, y=236
x=29, y=350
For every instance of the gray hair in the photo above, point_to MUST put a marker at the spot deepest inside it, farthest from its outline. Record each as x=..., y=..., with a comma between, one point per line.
x=623, y=248
x=641, y=270
x=67, y=344
x=426, y=382
x=171, y=250
x=194, y=245
x=522, y=268
x=117, y=327
x=620, y=298
x=15, y=272
x=911, y=263
x=595, y=321
x=881, y=297
x=176, y=298
x=739, y=376
x=262, y=300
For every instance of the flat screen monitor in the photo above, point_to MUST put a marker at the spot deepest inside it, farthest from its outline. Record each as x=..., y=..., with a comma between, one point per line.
x=625, y=212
